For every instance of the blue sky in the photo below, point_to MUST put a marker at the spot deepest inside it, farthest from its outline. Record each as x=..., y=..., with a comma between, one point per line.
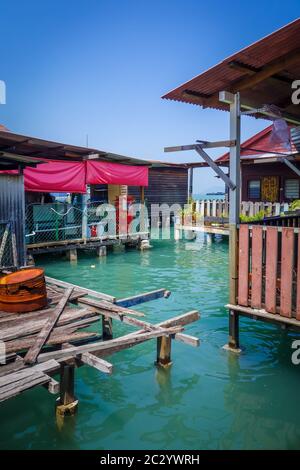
x=100, y=67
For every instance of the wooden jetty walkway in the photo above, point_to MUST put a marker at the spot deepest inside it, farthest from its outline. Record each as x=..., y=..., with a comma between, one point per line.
x=51, y=341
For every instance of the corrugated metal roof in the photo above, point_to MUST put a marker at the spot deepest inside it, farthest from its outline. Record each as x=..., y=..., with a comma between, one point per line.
x=260, y=145
x=204, y=88
x=47, y=149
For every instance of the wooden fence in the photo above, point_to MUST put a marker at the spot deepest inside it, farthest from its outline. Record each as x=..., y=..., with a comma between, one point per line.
x=220, y=208
x=268, y=269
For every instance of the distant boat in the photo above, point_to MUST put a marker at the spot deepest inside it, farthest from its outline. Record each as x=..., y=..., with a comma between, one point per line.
x=218, y=193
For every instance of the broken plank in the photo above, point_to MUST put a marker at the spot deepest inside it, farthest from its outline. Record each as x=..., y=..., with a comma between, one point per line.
x=106, y=345
x=43, y=335
x=96, y=362
x=27, y=328
x=13, y=390
x=105, y=306
x=52, y=386
x=55, y=338
x=141, y=298
x=93, y=293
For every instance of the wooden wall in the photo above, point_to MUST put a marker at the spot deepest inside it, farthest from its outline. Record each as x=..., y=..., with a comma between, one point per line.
x=256, y=171
x=166, y=185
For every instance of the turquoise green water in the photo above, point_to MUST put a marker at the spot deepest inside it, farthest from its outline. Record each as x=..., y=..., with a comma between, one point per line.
x=209, y=399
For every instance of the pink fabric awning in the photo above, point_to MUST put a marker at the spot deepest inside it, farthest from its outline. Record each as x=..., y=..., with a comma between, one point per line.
x=72, y=177
x=56, y=176
x=116, y=173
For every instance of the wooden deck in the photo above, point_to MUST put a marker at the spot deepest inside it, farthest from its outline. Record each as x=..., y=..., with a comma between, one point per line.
x=217, y=230
x=46, y=342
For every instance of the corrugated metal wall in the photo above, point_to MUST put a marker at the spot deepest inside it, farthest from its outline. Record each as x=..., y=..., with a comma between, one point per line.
x=12, y=209
x=166, y=185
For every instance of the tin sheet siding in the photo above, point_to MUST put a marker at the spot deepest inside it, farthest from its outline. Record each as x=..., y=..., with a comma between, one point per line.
x=166, y=185
x=12, y=208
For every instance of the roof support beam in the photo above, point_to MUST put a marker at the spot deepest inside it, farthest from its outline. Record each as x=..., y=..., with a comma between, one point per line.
x=228, y=98
x=271, y=69
x=251, y=71
x=203, y=143
x=215, y=167
x=290, y=165
x=209, y=161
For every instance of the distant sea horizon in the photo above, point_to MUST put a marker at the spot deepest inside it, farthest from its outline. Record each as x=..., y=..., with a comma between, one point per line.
x=201, y=196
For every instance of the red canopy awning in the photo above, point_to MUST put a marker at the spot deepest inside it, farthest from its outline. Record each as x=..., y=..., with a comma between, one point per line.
x=56, y=176
x=72, y=177
x=116, y=173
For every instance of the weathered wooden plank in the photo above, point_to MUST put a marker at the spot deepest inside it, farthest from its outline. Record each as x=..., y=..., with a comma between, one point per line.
x=271, y=268
x=25, y=343
x=11, y=390
x=52, y=386
x=14, y=377
x=96, y=362
x=106, y=345
x=105, y=306
x=12, y=366
x=256, y=278
x=298, y=282
x=79, y=289
x=243, y=270
x=262, y=314
x=42, y=336
x=187, y=339
x=287, y=258
x=27, y=328
x=141, y=298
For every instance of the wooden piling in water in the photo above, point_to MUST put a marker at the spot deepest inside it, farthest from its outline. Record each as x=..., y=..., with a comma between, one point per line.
x=163, y=358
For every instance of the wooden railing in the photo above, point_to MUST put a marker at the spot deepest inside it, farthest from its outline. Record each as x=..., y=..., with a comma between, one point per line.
x=268, y=269
x=220, y=208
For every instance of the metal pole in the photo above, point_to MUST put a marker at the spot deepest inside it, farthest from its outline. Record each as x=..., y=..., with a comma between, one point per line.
x=190, y=183
x=234, y=217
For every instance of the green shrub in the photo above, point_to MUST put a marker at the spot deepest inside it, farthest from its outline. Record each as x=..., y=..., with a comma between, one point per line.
x=253, y=218
x=295, y=205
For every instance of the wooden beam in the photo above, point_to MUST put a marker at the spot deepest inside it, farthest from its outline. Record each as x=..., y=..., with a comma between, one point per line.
x=247, y=69
x=215, y=167
x=96, y=362
x=261, y=314
x=44, y=334
x=142, y=324
x=267, y=71
x=256, y=108
x=103, y=346
x=204, y=144
x=290, y=165
x=93, y=293
x=108, y=307
x=141, y=298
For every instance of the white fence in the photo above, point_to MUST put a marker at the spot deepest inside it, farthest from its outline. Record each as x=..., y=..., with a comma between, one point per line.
x=220, y=208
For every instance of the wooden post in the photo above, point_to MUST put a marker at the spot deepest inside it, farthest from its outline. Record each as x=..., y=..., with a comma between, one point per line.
x=233, y=342
x=67, y=404
x=72, y=254
x=164, y=351
x=101, y=251
x=107, y=328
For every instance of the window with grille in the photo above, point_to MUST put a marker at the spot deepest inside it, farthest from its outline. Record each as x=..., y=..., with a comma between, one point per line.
x=291, y=188
x=254, y=189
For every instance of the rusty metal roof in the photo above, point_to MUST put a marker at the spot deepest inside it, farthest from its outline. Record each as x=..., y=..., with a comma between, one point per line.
x=22, y=145
x=279, y=49
x=260, y=146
